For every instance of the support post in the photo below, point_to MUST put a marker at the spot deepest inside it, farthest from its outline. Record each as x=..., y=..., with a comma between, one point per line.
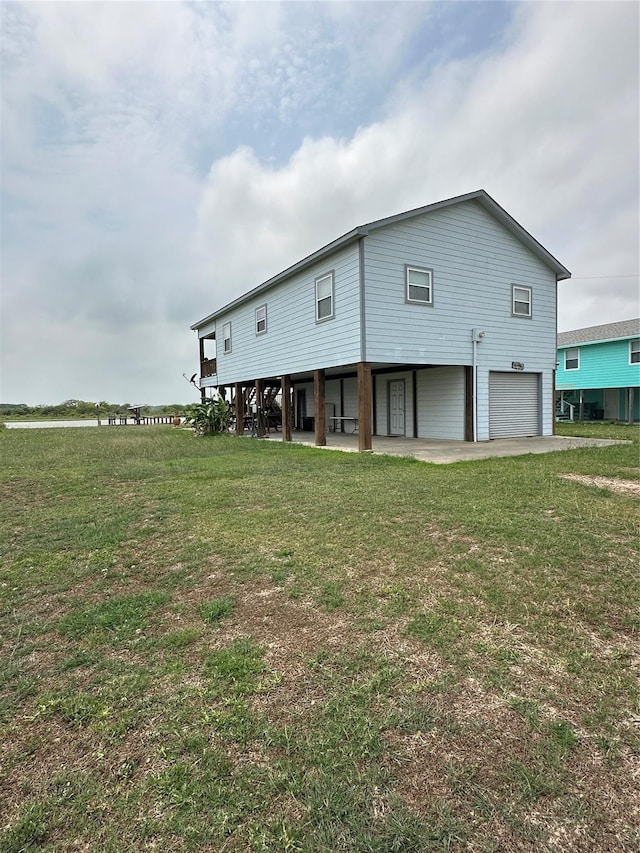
x=318, y=396
x=469, y=403
x=581, y=405
x=259, y=409
x=630, y=404
x=553, y=403
x=286, y=408
x=239, y=409
x=364, y=406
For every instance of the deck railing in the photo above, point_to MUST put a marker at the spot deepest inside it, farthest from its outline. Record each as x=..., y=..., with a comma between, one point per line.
x=208, y=367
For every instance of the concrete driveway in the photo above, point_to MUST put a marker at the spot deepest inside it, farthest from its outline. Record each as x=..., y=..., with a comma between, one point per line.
x=446, y=452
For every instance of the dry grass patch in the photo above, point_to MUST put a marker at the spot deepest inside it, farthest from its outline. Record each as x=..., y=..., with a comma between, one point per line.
x=613, y=484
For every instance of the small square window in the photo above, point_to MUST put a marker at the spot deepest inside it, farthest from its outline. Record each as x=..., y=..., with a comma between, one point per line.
x=521, y=301
x=261, y=320
x=634, y=351
x=226, y=337
x=572, y=358
x=324, y=297
x=419, y=285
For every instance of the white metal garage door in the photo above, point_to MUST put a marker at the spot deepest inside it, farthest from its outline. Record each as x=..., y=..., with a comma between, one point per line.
x=514, y=405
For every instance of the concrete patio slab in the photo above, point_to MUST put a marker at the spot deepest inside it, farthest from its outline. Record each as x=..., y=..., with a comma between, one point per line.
x=446, y=452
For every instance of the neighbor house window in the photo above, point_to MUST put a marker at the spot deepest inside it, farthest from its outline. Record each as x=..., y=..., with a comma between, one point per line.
x=226, y=337
x=419, y=285
x=521, y=301
x=324, y=297
x=261, y=320
x=634, y=351
x=572, y=358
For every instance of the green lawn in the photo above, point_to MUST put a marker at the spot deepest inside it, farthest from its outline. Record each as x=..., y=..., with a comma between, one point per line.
x=221, y=644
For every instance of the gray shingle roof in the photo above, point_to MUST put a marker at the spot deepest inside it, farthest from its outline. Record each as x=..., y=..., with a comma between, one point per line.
x=606, y=332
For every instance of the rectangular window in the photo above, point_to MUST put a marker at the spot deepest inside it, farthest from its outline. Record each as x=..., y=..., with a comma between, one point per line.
x=634, y=351
x=226, y=337
x=521, y=301
x=261, y=320
x=324, y=297
x=419, y=285
x=572, y=358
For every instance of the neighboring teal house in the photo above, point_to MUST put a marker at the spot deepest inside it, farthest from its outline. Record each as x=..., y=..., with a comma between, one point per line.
x=598, y=375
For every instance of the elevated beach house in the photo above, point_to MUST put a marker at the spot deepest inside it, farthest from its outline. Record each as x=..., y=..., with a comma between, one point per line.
x=599, y=372
x=435, y=323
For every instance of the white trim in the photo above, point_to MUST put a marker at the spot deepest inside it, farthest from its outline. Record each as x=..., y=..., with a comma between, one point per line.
x=320, y=281
x=428, y=287
x=574, y=358
x=527, y=300
x=633, y=351
x=261, y=319
x=226, y=338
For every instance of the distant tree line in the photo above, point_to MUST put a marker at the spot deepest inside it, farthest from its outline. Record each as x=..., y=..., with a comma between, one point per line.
x=84, y=409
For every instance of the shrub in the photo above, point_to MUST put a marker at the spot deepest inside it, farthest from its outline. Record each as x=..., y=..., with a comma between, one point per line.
x=209, y=417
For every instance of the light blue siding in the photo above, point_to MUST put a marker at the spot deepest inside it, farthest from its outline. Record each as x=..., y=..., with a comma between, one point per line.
x=294, y=341
x=441, y=403
x=602, y=365
x=475, y=262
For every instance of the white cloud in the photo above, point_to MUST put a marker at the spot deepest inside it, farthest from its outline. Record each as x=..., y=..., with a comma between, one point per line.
x=549, y=127
x=113, y=243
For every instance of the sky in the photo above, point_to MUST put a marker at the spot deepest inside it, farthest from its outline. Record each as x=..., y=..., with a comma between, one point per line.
x=160, y=159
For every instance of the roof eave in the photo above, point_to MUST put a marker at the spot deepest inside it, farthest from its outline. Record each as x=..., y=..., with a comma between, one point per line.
x=490, y=204
x=571, y=344
x=344, y=240
x=481, y=196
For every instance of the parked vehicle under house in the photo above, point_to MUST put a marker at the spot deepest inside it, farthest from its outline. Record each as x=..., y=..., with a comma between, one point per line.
x=435, y=323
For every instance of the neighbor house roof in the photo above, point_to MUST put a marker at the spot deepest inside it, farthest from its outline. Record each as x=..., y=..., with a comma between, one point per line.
x=481, y=196
x=605, y=332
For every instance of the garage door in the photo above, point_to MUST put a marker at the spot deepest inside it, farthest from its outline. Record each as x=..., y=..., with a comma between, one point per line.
x=514, y=405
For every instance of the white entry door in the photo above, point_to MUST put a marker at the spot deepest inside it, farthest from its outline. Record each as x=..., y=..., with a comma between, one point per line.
x=396, y=407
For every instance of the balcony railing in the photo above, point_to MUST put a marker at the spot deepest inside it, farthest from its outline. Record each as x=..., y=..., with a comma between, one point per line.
x=208, y=367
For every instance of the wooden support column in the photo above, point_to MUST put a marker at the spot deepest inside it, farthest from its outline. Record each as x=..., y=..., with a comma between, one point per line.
x=553, y=403
x=630, y=406
x=414, y=392
x=203, y=393
x=364, y=406
x=469, y=403
x=318, y=395
x=286, y=408
x=259, y=409
x=239, y=409
x=581, y=410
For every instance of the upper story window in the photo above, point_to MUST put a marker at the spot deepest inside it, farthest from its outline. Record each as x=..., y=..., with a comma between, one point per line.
x=261, y=320
x=419, y=285
x=226, y=337
x=520, y=301
x=572, y=358
x=634, y=351
x=324, y=297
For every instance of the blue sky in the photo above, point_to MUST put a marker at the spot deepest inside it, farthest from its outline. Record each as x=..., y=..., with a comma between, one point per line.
x=146, y=146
